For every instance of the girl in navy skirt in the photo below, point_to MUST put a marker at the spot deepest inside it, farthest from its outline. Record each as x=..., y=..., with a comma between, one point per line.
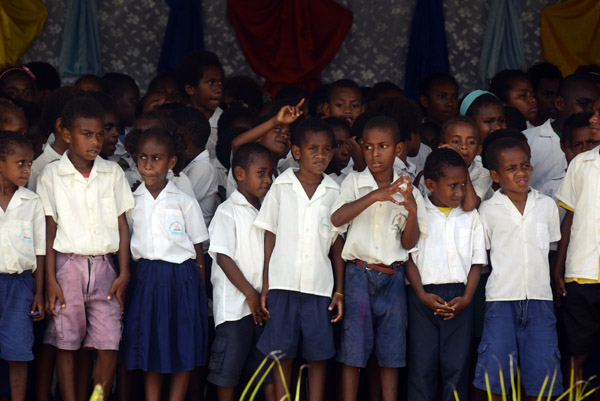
x=166, y=321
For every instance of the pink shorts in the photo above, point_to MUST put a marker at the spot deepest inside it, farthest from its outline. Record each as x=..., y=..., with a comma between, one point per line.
x=88, y=319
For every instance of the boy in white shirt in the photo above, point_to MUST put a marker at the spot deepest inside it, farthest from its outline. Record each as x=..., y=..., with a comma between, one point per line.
x=199, y=169
x=443, y=273
x=519, y=325
x=380, y=229
x=237, y=249
x=22, y=250
x=298, y=280
x=85, y=199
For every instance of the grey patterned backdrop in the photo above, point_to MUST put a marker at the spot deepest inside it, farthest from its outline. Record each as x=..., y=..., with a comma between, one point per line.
x=131, y=33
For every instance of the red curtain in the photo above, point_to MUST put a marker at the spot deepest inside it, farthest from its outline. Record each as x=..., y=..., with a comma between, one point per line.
x=289, y=42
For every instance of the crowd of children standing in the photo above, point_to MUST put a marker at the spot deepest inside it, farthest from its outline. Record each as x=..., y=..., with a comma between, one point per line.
x=196, y=230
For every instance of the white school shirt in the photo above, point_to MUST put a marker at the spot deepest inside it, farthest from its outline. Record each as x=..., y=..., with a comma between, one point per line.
x=581, y=192
x=232, y=233
x=519, y=246
x=22, y=232
x=304, y=234
x=182, y=181
x=375, y=234
x=408, y=168
x=211, y=144
x=419, y=159
x=481, y=179
x=203, y=177
x=165, y=228
x=547, y=158
x=86, y=211
x=48, y=156
x=453, y=244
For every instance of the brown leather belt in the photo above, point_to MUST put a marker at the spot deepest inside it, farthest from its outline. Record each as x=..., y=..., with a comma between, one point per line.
x=380, y=267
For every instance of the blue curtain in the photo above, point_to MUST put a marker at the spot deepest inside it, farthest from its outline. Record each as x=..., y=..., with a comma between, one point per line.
x=183, y=34
x=80, y=51
x=427, y=51
x=503, y=41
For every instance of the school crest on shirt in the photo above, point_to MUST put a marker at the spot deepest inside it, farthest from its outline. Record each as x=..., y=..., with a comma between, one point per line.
x=398, y=222
x=176, y=228
x=26, y=235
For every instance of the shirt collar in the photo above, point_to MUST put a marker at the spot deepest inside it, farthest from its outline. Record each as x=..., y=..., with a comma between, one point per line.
x=170, y=188
x=239, y=199
x=201, y=156
x=289, y=177
x=546, y=129
x=65, y=167
x=499, y=198
x=366, y=179
x=433, y=208
x=20, y=194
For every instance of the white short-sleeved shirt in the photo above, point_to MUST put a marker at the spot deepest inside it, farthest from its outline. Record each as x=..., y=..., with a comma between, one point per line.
x=581, y=192
x=86, y=211
x=22, y=232
x=408, y=168
x=419, y=159
x=481, y=179
x=454, y=243
x=48, y=156
x=304, y=234
x=203, y=177
x=547, y=158
x=232, y=233
x=211, y=144
x=375, y=235
x=182, y=181
x=165, y=228
x=519, y=246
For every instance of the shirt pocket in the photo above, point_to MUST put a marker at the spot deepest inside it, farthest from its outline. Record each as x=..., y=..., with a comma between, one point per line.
x=110, y=213
x=22, y=237
x=174, y=225
x=325, y=227
x=542, y=236
x=464, y=240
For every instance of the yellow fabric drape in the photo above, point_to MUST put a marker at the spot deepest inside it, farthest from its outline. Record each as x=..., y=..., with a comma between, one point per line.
x=570, y=34
x=21, y=21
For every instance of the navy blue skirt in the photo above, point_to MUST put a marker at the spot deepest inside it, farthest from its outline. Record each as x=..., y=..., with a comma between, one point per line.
x=166, y=322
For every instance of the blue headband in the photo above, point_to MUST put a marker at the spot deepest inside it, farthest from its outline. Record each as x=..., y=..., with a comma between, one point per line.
x=470, y=98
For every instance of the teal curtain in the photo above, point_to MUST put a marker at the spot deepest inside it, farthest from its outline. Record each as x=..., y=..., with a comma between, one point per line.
x=80, y=51
x=503, y=41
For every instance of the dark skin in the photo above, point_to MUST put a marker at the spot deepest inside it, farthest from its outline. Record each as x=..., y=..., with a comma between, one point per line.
x=380, y=150
x=314, y=155
x=15, y=170
x=85, y=142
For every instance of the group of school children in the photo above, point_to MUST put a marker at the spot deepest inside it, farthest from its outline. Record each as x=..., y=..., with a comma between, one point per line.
x=333, y=225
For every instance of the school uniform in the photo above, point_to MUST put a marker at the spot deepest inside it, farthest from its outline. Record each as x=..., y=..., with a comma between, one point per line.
x=300, y=271
x=86, y=212
x=48, y=156
x=421, y=157
x=547, y=158
x=444, y=258
x=181, y=181
x=166, y=327
x=22, y=239
x=519, y=314
x=233, y=234
x=204, y=181
x=374, y=298
x=213, y=121
x=480, y=179
x=579, y=194
x=407, y=168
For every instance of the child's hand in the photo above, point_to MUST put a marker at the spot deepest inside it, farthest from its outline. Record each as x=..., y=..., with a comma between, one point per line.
x=289, y=114
x=356, y=153
x=54, y=293
x=37, y=306
x=436, y=304
x=457, y=304
x=409, y=202
x=263, y=302
x=118, y=288
x=337, y=301
x=559, y=288
x=254, y=303
x=386, y=193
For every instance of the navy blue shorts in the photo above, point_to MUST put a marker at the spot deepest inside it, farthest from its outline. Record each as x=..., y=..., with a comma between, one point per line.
x=526, y=332
x=16, y=324
x=234, y=352
x=298, y=319
x=375, y=317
